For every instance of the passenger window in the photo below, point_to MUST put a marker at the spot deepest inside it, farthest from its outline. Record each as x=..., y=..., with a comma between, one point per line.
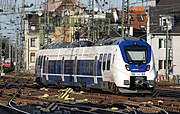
x=40, y=61
x=100, y=61
x=95, y=66
x=113, y=58
x=68, y=67
x=104, y=61
x=75, y=65
x=108, y=61
x=52, y=67
x=78, y=67
x=59, y=66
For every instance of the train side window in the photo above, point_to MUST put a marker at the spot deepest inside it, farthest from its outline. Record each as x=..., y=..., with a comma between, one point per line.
x=100, y=61
x=52, y=67
x=87, y=67
x=49, y=67
x=95, y=66
x=113, y=58
x=78, y=67
x=59, y=66
x=108, y=61
x=68, y=67
x=90, y=70
x=84, y=66
x=40, y=61
x=75, y=66
x=44, y=64
x=104, y=61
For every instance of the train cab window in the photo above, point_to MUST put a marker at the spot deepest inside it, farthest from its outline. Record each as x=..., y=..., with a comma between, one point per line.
x=104, y=61
x=136, y=54
x=108, y=61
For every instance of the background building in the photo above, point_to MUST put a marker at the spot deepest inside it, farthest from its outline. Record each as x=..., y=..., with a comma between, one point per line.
x=166, y=11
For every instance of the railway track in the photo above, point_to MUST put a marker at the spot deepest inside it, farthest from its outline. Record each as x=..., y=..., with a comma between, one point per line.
x=166, y=93
x=20, y=93
x=10, y=108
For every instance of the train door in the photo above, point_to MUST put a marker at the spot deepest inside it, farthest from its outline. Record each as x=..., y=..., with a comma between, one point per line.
x=39, y=66
x=106, y=67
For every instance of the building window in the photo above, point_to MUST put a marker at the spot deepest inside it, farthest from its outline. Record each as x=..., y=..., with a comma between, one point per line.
x=32, y=57
x=160, y=64
x=140, y=18
x=33, y=42
x=169, y=64
x=143, y=28
x=162, y=43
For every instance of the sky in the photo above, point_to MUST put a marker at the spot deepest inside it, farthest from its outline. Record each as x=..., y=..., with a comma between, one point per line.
x=8, y=23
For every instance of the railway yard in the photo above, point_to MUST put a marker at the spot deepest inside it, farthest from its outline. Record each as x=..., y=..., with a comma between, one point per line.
x=20, y=94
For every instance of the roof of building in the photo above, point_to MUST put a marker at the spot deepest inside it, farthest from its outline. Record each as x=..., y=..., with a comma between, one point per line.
x=137, y=8
x=139, y=17
x=53, y=5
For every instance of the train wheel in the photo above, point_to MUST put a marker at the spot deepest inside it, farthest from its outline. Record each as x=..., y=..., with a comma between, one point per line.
x=59, y=84
x=116, y=90
x=82, y=85
x=113, y=88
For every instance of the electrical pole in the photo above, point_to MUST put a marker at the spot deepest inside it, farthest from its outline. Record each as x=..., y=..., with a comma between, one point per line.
x=125, y=25
x=46, y=18
x=21, y=41
x=167, y=35
x=1, y=52
x=91, y=22
x=16, y=54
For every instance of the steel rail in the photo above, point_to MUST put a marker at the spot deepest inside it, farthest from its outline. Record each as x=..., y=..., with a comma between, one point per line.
x=13, y=97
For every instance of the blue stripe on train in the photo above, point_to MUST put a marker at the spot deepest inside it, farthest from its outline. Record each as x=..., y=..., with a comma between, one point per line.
x=69, y=80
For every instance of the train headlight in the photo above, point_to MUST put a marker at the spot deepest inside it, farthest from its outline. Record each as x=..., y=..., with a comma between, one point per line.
x=147, y=67
x=127, y=67
x=126, y=82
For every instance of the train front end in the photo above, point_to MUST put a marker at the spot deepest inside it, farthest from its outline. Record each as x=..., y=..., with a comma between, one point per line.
x=136, y=73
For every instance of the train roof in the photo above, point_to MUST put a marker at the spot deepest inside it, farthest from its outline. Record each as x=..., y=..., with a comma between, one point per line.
x=104, y=41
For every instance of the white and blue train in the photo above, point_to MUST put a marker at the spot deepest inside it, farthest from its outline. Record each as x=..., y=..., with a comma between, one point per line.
x=126, y=66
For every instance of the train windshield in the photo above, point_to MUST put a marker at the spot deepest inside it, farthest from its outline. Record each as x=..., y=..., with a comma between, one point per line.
x=136, y=54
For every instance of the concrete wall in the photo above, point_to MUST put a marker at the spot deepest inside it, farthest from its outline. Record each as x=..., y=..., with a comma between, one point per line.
x=176, y=55
x=160, y=53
